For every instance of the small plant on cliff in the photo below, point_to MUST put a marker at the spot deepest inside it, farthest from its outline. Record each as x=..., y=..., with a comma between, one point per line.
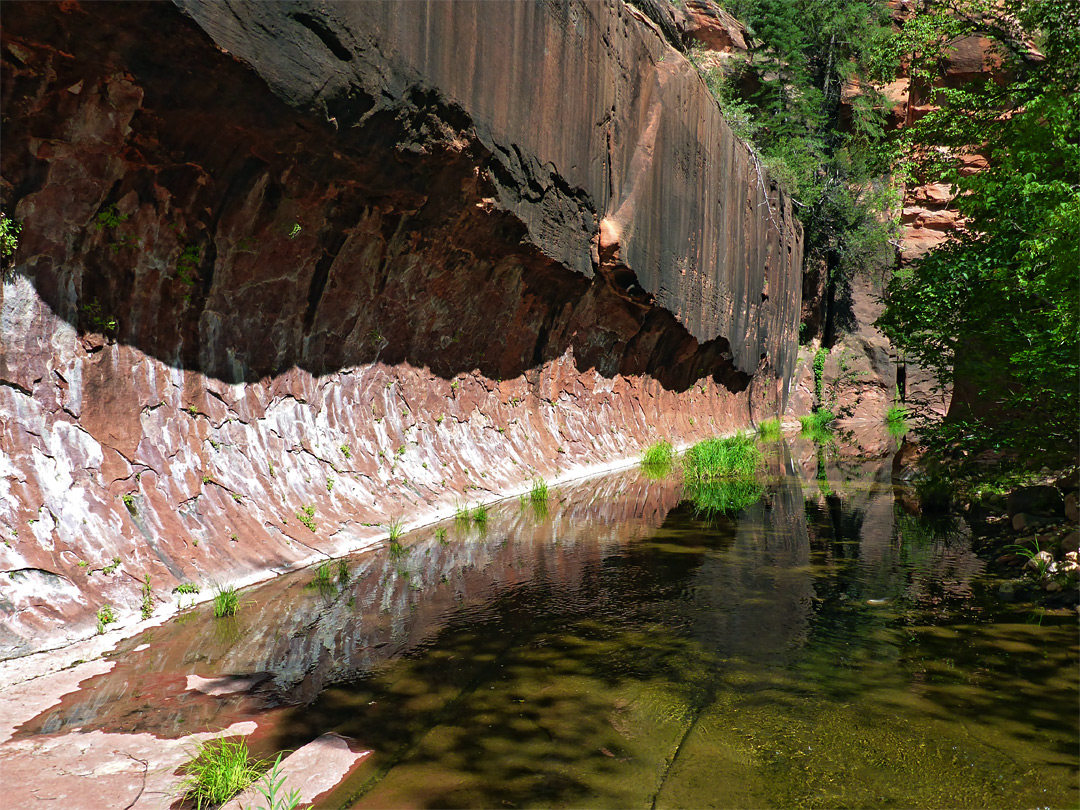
x=306, y=515
x=187, y=266
x=9, y=241
x=820, y=356
x=108, y=569
x=896, y=420
x=480, y=515
x=345, y=451
x=226, y=602
x=440, y=534
x=461, y=514
x=129, y=502
x=733, y=457
x=219, y=770
x=106, y=615
x=657, y=459
x=769, y=430
x=147, y=598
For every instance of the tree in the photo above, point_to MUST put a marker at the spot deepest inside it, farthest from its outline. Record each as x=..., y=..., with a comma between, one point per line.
x=995, y=309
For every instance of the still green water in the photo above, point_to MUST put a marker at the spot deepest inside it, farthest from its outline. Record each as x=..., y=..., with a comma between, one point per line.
x=820, y=648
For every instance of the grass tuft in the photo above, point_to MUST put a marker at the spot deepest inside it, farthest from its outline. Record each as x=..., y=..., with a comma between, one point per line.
x=723, y=497
x=656, y=461
x=480, y=514
x=539, y=491
x=896, y=420
x=226, y=602
x=219, y=770
x=816, y=426
x=769, y=430
x=440, y=535
x=461, y=514
x=395, y=528
x=734, y=457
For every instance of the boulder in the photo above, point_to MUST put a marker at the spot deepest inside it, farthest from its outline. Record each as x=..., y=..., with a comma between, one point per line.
x=1023, y=520
x=1040, y=500
x=1071, y=543
x=1071, y=513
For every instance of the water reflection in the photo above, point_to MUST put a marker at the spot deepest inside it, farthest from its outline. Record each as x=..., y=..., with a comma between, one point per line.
x=817, y=646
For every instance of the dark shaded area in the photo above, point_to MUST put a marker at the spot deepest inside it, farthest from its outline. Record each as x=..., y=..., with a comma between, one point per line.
x=371, y=236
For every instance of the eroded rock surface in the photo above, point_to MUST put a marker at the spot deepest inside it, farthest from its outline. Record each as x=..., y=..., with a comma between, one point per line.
x=289, y=273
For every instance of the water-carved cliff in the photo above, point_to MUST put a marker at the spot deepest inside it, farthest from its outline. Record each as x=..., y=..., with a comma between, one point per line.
x=290, y=271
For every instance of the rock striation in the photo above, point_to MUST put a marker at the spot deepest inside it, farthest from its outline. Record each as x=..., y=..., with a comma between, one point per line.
x=290, y=272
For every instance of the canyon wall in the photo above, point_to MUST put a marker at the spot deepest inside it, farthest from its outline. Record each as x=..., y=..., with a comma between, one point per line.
x=289, y=273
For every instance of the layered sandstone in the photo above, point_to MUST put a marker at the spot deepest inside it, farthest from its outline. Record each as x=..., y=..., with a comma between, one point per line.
x=290, y=272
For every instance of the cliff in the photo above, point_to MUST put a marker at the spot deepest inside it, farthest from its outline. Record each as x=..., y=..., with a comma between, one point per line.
x=290, y=272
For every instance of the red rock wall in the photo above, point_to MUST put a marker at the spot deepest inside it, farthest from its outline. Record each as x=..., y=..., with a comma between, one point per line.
x=374, y=259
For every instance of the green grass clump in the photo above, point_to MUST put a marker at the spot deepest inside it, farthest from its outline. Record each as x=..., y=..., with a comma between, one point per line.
x=480, y=514
x=461, y=514
x=656, y=461
x=816, y=426
x=539, y=491
x=306, y=515
x=440, y=535
x=769, y=430
x=226, y=602
x=395, y=528
x=324, y=575
x=219, y=770
x=734, y=457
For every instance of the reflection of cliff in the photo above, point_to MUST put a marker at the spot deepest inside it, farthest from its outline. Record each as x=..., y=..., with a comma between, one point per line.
x=370, y=259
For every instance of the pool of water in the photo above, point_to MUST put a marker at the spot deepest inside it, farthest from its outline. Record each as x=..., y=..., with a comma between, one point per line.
x=819, y=648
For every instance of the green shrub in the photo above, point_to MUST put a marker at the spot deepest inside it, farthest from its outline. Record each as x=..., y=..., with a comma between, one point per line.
x=106, y=615
x=733, y=457
x=219, y=770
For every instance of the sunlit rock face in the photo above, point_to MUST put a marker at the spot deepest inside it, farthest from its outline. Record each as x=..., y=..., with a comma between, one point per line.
x=288, y=272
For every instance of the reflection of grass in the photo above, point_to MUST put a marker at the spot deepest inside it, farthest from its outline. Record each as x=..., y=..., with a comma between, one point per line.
x=657, y=459
x=733, y=457
x=769, y=430
x=896, y=420
x=723, y=497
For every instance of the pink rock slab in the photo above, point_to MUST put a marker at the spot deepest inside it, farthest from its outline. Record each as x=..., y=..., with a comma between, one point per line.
x=312, y=770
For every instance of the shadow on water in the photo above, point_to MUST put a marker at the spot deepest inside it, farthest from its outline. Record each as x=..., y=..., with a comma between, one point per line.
x=818, y=647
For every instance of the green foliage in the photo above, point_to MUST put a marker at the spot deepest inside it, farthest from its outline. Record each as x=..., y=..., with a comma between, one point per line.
x=324, y=576
x=98, y=319
x=345, y=451
x=820, y=356
x=186, y=587
x=187, y=266
x=106, y=615
x=147, y=598
x=219, y=770
x=896, y=420
x=769, y=430
x=9, y=240
x=734, y=457
x=480, y=515
x=461, y=514
x=306, y=515
x=996, y=308
x=786, y=101
x=271, y=787
x=657, y=459
x=108, y=569
x=226, y=602
x=109, y=218
x=440, y=534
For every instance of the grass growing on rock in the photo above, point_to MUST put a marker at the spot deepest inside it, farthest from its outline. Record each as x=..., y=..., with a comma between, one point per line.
x=816, y=425
x=657, y=459
x=226, y=602
x=539, y=491
x=219, y=770
x=480, y=515
x=734, y=457
x=769, y=430
x=896, y=420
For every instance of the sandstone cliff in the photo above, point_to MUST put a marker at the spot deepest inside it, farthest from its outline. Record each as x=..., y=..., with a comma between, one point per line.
x=289, y=272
